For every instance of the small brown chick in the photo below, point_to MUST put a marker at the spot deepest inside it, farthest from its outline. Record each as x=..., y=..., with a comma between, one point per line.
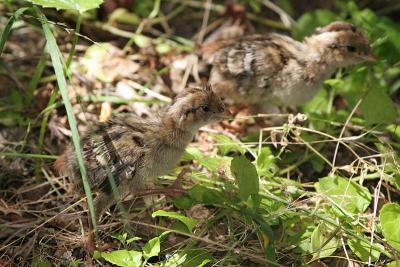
x=275, y=69
x=134, y=150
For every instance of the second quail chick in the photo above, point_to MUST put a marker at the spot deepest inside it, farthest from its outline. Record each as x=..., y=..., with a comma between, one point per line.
x=275, y=69
x=135, y=151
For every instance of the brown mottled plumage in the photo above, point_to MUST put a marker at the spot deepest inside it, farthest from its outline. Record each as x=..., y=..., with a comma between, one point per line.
x=134, y=150
x=275, y=69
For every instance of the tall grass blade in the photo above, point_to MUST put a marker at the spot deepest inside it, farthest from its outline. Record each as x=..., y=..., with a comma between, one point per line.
x=62, y=85
x=21, y=155
x=7, y=29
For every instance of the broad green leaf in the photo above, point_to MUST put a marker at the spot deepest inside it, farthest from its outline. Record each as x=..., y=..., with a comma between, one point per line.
x=246, y=176
x=123, y=258
x=265, y=163
x=152, y=248
x=395, y=131
x=183, y=202
x=319, y=104
x=204, y=262
x=377, y=107
x=393, y=264
x=180, y=227
x=123, y=238
x=133, y=239
x=211, y=162
x=197, y=258
x=349, y=195
x=205, y=195
x=363, y=249
x=390, y=221
x=189, y=222
x=175, y=260
x=320, y=246
x=120, y=237
x=189, y=258
x=227, y=144
x=96, y=255
x=78, y=5
x=143, y=8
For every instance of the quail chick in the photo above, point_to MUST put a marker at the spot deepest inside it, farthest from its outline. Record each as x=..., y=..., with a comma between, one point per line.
x=275, y=69
x=134, y=150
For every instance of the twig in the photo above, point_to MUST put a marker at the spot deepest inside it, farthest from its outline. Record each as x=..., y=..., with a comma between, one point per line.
x=342, y=132
x=205, y=21
x=285, y=18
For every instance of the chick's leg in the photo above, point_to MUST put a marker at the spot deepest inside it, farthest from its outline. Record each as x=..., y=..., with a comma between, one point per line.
x=102, y=202
x=175, y=190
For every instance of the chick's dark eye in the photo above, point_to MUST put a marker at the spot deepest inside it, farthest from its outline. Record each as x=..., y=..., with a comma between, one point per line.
x=351, y=48
x=205, y=108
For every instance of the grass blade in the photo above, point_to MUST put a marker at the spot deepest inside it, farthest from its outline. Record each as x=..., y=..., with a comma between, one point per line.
x=62, y=85
x=21, y=155
x=7, y=29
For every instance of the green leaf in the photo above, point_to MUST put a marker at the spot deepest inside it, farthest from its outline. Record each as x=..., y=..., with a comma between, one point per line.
x=394, y=130
x=133, y=239
x=320, y=246
x=212, y=163
x=197, y=258
x=349, y=195
x=189, y=222
x=5, y=33
x=96, y=255
x=123, y=238
x=180, y=227
x=363, y=250
x=152, y=248
x=120, y=237
x=189, y=258
x=392, y=264
x=183, y=202
x=123, y=258
x=377, y=107
x=246, y=176
x=227, y=144
x=265, y=163
x=390, y=221
x=78, y=5
x=175, y=260
x=205, y=195
x=319, y=104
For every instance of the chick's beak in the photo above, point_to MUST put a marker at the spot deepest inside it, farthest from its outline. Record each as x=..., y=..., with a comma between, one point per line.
x=370, y=57
x=224, y=115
